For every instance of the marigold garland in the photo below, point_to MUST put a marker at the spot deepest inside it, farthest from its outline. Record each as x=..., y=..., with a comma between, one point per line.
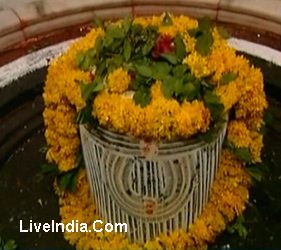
x=162, y=119
x=228, y=199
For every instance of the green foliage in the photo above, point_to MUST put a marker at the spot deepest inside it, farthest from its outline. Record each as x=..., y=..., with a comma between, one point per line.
x=97, y=22
x=213, y=103
x=88, y=89
x=204, y=43
x=167, y=20
x=238, y=226
x=170, y=57
x=243, y=154
x=180, y=47
x=203, y=35
x=205, y=24
x=129, y=46
x=168, y=87
x=67, y=181
x=229, y=77
x=49, y=169
x=208, y=136
x=7, y=244
x=142, y=96
x=258, y=171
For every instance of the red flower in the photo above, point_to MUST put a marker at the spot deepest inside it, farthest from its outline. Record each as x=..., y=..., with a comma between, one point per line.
x=164, y=44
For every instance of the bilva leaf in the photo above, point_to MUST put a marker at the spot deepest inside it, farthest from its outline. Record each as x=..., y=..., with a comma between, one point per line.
x=68, y=180
x=144, y=70
x=99, y=44
x=147, y=47
x=180, y=70
x=213, y=103
x=243, y=154
x=127, y=22
x=208, y=136
x=80, y=57
x=115, y=31
x=180, y=47
x=255, y=173
x=167, y=20
x=206, y=84
x=88, y=89
x=195, y=32
x=205, y=24
x=9, y=245
x=49, y=169
x=229, y=77
x=189, y=91
x=142, y=96
x=127, y=50
x=168, y=87
x=204, y=43
x=238, y=226
x=97, y=22
x=160, y=70
x=170, y=57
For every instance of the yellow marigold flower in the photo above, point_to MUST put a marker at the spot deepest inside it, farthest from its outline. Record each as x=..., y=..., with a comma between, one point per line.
x=239, y=134
x=229, y=94
x=153, y=245
x=118, y=81
x=198, y=64
x=256, y=146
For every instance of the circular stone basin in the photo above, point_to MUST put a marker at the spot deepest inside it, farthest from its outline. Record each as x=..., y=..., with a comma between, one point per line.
x=27, y=196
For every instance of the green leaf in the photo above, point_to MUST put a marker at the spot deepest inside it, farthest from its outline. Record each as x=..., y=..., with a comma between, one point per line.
x=208, y=136
x=243, y=154
x=108, y=40
x=205, y=24
x=238, y=227
x=144, y=70
x=168, y=87
x=68, y=180
x=211, y=98
x=255, y=173
x=189, y=78
x=167, y=20
x=170, y=57
x=189, y=91
x=99, y=44
x=204, y=43
x=115, y=31
x=88, y=89
x=206, y=84
x=10, y=245
x=180, y=47
x=136, y=29
x=179, y=70
x=85, y=116
x=147, y=47
x=224, y=33
x=195, y=32
x=49, y=169
x=213, y=103
x=229, y=77
x=97, y=22
x=80, y=57
x=127, y=50
x=142, y=96
x=127, y=22
x=160, y=70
